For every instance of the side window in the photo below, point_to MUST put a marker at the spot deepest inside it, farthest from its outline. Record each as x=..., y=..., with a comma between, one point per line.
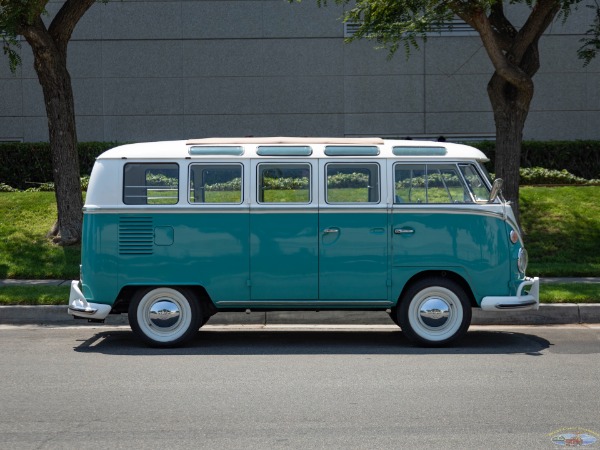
x=475, y=182
x=352, y=183
x=429, y=183
x=409, y=182
x=445, y=185
x=284, y=183
x=215, y=183
x=151, y=184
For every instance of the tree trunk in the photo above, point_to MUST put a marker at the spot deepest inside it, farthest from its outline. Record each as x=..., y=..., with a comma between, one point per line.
x=510, y=106
x=51, y=67
x=514, y=54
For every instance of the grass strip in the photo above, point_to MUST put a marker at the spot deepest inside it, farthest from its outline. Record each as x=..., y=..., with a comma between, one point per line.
x=561, y=225
x=34, y=295
x=570, y=293
x=59, y=295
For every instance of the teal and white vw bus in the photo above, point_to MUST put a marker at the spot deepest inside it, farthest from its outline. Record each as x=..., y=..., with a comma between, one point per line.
x=175, y=232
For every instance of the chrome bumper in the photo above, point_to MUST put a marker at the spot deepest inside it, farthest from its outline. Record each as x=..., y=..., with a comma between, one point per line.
x=531, y=300
x=79, y=306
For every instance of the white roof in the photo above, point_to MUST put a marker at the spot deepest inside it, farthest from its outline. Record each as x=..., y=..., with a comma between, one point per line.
x=180, y=149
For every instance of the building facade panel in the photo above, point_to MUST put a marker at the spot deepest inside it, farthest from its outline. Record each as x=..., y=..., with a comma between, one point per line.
x=92, y=127
x=35, y=129
x=264, y=125
x=89, y=97
x=456, y=125
x=85, y=59
x=399, y=125
x=145, y=70
x=221, y=19
x=125, y=20
x=303, y=57
x=142, y=96
x=142, y=128
x=32, y=98
x=11, y=93
x=460, y=93
x=304, y=95
x=552, y=93
x=364, y=58
x=223, y=95
x=385, y=93
x=561, y=125
x=12, y=129
x=282, y=19
x=466, y=56
x=142, y=59
x=223, y=58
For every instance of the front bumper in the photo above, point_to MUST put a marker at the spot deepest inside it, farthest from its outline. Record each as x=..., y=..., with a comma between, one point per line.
x=531, y=300
x=79, y=306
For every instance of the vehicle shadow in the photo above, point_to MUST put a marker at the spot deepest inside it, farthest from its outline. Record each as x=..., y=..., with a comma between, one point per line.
x=318, y=342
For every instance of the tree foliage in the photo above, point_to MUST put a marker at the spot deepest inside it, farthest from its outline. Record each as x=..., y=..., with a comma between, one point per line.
x=591, y=40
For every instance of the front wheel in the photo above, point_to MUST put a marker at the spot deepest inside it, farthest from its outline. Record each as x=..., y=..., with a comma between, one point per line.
x=165, y=317
x=434, y=312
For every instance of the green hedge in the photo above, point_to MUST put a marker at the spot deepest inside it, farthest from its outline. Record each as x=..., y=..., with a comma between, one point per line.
x=580, y=158
x=28, y=165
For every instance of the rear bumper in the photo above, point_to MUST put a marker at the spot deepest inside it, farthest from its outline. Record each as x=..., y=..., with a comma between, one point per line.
x=531, y=300
x=80, y=307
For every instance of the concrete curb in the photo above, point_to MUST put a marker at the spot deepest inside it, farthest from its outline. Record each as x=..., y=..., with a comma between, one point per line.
x=548, y=314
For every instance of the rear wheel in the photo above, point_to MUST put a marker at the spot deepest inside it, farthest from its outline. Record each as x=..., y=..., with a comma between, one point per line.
x=165, y=317
x=434, y=312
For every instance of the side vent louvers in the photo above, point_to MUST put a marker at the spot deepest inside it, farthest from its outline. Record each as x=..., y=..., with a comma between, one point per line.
x=136, y=235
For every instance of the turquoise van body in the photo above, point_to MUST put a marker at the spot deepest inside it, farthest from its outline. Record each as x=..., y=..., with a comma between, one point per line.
x=416, y=217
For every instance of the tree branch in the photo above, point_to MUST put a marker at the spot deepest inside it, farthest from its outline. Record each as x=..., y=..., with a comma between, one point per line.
x=542, y=15
x=66, y=19
x=505, y=68
x=36, y=34
x=502, y=26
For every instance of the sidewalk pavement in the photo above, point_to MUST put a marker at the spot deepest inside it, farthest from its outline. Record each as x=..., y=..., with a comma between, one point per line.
x=548, y=314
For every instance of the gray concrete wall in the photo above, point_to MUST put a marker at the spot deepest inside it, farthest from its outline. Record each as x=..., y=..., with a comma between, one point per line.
x=152, y=70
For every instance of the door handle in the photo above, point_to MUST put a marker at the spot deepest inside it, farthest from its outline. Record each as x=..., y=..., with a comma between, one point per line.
x=404, y=231
x=331, y=230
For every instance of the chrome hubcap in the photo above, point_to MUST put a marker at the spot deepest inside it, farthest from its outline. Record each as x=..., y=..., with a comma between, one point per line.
x=434, y=312
x=164, y=314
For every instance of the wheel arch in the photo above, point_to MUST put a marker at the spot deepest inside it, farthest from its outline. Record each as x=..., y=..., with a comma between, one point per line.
x=457, y=278
x=126, y=294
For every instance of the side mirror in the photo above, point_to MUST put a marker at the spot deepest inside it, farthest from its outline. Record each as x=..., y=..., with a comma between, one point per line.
x=496, y=189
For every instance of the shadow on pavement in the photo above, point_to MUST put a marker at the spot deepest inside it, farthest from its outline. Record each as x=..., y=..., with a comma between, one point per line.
x=255, y=342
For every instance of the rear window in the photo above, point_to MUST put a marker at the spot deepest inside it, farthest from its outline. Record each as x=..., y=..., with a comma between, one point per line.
x=151, y=184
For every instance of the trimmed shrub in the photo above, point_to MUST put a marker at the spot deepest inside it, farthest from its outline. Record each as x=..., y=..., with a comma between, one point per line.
x=540, y=175
x=580, y=158
x=29, y=165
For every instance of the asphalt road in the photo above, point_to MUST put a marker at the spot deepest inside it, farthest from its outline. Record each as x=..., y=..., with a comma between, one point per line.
x=298, y=387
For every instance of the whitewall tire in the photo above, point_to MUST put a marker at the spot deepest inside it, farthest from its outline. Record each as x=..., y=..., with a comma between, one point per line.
x=434, y=312
x=165, y=317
